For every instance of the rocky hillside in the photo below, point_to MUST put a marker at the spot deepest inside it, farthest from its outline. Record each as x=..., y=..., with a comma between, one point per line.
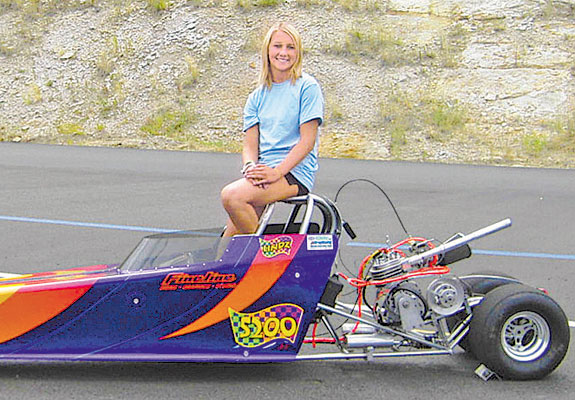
x=478, y=81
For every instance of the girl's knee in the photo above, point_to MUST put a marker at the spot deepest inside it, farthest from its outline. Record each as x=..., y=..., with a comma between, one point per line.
x=231, y=195
x=225, y=193
x=227, y=196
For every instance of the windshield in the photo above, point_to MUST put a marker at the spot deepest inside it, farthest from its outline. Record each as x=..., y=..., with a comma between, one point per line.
x=176, y=249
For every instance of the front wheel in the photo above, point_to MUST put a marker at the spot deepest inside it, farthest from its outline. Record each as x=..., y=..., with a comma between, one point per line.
x=519, y=332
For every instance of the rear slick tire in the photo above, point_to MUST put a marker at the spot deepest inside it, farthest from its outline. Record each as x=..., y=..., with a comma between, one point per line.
x=519, y=332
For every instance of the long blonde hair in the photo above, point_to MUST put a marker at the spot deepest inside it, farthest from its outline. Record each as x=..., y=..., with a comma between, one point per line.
x=296, y=69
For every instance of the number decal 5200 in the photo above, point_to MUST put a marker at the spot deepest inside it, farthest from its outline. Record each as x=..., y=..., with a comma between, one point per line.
x=279, y=322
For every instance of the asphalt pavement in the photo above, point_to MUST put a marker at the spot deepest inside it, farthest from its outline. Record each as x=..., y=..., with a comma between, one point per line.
x=75, y=206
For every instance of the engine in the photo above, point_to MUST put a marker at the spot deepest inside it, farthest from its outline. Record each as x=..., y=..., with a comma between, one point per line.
x=399, y=299
x=388, y=263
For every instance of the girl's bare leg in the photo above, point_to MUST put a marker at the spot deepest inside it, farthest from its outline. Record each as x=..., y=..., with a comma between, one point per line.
x=244, y=203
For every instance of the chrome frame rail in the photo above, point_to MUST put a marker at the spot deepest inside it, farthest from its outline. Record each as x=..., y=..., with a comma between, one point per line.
x=452, y=341
x=382, y=328
x=369, y=355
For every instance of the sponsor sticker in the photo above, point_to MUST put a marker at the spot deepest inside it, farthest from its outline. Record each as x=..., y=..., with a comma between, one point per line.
x=280, y=322
x=209, y=280
x=275, y=247
x=320, y=242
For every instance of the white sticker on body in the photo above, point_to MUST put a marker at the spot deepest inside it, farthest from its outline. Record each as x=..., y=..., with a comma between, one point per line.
x=320, y=242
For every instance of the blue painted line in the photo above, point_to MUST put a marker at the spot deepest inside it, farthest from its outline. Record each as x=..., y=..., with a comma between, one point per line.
x=85, y=224
x=525, y=254
x=366, y=244
x=551, y=256
x=353, y=244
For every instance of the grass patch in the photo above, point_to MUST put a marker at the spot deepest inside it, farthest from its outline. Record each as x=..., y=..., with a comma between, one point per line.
x=159, y=5
x=253, y=41
x=27, y=6
x=451, y=43
x=35, y=8
x=333, y=109
x=170, y=123
x=70, y=128
x=191, y=74
x=399, y=117
x=553, y=9
x=112, y=53
x=384, y=43
x=534, y=144
x=205, y=3
x=404, y=113
x=176, y=124
x=21, y=35
x=247, y=4
x=32, y=95
x=377, y=43
x=309, y=3
x=9, y=134
x=359, y=5
x=562, y=141
x=350, y=5
x=549, y=11
x=7, y=48
x=105, y=103
x=343, y=145
x=444, y=117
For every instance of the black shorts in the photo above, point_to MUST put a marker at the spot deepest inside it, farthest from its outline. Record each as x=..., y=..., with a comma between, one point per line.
x=301, y=189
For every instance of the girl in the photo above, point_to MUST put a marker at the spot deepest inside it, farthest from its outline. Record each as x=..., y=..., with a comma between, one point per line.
x=281, y=122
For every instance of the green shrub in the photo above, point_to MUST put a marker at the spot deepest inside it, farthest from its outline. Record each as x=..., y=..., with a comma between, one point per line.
x=534, y=143
x=169, y=123
x=159, y=5
x=70, y=128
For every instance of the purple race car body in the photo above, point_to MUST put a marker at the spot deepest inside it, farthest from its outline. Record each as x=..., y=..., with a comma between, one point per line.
x=193, y=296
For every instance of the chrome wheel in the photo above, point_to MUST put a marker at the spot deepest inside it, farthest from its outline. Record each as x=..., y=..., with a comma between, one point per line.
x=525, y=336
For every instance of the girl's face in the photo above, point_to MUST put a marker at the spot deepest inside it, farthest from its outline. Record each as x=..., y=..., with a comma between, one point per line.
x=282, y=54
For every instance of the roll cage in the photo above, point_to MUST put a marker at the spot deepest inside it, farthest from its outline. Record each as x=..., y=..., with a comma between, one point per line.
x=320, y=216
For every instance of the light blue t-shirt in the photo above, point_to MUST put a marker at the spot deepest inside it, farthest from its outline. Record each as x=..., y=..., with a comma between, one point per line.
x=280, y=111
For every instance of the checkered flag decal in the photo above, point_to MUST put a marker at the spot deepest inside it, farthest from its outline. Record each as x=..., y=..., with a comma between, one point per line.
x=276, y=323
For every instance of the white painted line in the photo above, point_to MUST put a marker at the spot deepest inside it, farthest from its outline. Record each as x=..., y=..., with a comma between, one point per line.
x=572, y=324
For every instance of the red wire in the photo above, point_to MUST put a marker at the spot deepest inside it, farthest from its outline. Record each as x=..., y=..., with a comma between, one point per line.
x=359, y=283
x=320, y=340
x=313, y=334
x=315, y=340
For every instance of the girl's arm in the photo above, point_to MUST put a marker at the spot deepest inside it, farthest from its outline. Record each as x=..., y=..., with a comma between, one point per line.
x=250, y=145
x=266, y=175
